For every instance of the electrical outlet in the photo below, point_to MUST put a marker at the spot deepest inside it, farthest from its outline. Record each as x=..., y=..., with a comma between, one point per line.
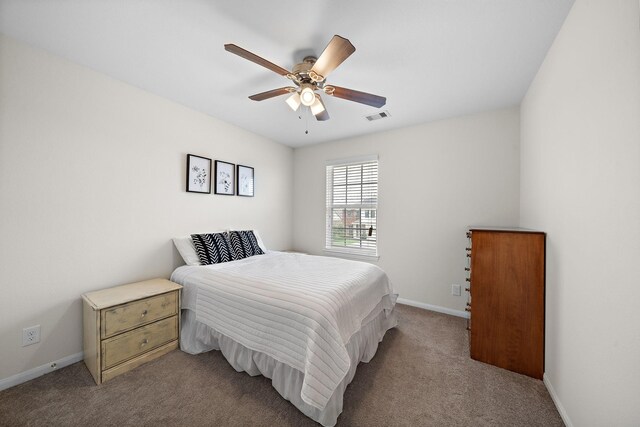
x=30, y=335
x=455, y=290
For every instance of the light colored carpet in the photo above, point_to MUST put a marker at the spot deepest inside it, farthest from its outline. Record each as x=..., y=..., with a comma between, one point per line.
x=421, y=376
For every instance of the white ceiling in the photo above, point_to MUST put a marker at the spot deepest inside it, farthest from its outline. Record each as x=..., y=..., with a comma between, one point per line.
x=432, y=59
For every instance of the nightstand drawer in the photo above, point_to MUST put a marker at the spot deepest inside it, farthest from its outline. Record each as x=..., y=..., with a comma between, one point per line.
x=137, y=313
x=138, y=341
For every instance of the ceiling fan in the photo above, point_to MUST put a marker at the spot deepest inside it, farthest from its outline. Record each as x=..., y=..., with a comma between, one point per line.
x=310, y=76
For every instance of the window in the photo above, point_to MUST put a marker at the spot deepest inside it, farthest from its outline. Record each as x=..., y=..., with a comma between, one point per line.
x=352, y=204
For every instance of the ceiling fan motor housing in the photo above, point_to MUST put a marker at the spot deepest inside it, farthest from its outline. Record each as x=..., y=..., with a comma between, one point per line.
x=303, y=73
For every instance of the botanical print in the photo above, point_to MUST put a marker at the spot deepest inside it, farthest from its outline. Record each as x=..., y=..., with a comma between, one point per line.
x=224, y=180
x=199, y=176
x=246, y=184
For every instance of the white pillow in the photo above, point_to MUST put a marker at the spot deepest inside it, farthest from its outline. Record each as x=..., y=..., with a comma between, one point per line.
x=184, y=245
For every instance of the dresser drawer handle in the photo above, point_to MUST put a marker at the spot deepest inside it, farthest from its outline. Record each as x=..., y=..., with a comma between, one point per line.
x=144, y=313
x=144, y=342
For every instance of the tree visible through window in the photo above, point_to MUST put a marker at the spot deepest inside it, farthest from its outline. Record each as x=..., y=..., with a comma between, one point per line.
x=352, y=203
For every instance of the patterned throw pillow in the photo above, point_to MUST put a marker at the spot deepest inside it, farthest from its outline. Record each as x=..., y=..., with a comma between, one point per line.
x=244, y=244
x=213, y=248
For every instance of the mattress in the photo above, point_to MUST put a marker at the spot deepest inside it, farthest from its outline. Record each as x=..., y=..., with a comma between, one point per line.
x=301, y=320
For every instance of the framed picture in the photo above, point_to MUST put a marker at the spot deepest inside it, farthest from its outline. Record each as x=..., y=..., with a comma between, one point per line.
x=198, y=174
x=245, y=181
x=225, y=174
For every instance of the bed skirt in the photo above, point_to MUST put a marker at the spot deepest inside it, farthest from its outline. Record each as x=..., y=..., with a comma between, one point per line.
x=196, y=337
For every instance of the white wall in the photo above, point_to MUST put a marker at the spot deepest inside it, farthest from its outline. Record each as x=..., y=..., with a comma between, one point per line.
x=435, y=179
x=92, y=176
x=580, y=182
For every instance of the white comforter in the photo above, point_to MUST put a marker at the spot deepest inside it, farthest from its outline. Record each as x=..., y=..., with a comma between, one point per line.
x=299, y=309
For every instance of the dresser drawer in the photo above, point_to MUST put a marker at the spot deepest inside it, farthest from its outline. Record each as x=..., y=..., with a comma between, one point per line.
x=136, y=313
x=138, y=341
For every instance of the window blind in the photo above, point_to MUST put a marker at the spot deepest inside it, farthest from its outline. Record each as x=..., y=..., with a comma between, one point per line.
x=352, y=205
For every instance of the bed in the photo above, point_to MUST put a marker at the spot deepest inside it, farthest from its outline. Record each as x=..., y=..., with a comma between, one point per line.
x=303, y=321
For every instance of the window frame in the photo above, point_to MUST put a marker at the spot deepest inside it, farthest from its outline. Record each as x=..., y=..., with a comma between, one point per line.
x=351, y=252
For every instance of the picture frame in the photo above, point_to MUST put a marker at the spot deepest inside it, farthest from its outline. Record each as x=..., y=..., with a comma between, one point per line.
x=224, y=178
x=198, y=174
x=246, y=181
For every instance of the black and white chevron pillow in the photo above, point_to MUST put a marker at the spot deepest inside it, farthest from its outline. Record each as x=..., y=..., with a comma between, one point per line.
x=244, y=244
x=213, y=248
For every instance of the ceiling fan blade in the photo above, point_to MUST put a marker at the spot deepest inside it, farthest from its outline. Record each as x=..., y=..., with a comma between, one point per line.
x=272, y=93
x=333, y=55
x=357, y=96
x=255, y=58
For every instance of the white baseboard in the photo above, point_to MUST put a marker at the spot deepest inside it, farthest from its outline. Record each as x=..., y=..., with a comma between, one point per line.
x=25, y=376
x=436, y=308
x=556, y=401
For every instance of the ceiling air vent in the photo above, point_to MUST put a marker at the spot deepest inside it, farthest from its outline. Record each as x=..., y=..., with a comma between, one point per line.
x=378, y=116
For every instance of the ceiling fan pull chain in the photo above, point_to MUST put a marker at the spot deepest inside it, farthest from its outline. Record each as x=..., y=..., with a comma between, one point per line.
x=306, y=122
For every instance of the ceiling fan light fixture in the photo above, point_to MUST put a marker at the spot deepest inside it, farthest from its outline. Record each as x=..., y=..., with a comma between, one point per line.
x=307, y=95
x=294, y=101
x=317, y=107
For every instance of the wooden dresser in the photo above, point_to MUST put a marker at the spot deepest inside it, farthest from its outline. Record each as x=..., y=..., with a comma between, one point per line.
x=507, y=280
x=126, y=326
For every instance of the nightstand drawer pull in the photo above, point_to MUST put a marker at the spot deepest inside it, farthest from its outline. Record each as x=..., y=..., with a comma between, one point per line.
x=144, y=313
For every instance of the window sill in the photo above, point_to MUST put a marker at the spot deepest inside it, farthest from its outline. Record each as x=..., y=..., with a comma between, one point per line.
x=350, y=255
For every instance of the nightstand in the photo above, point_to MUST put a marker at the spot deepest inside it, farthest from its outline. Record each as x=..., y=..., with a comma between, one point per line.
x=126, y=326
